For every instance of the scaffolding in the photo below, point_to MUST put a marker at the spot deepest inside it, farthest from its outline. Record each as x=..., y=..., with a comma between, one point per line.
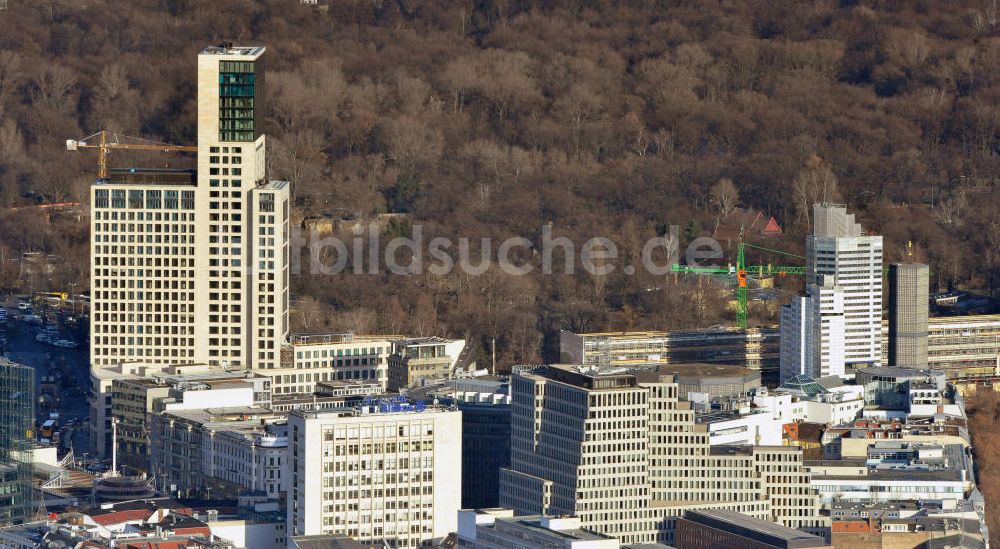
x=17, y=422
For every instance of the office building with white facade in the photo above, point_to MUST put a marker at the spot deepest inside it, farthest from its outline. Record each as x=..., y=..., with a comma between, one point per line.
x=386, y=473
x=813, y=332
x=839, y=248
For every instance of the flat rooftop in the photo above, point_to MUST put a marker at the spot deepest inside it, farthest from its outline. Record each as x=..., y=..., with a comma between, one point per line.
x=707, y=371
x=150, y=176
x=535, y=523
x=753, y=528
x=229, y=49
x=273, y=185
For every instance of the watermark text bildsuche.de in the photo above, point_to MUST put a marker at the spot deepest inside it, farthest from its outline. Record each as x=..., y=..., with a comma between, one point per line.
x=369, y=253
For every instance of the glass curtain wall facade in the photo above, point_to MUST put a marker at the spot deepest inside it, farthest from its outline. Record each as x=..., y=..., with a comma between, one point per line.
x=17, y=421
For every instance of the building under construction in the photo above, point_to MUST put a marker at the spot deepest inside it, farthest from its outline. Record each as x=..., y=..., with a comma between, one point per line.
x=755, y=348
x=17, y=421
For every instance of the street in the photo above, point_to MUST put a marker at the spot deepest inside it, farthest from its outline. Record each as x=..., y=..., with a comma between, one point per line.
x=62, y=378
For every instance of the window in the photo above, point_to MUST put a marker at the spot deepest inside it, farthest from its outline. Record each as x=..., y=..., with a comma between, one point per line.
x=135, y=199
x=101, y=198
x=153, y=200
x=170, y=200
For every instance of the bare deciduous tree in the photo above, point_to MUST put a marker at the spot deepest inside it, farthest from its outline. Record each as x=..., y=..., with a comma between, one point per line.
x=815, y=183
x=725, y=196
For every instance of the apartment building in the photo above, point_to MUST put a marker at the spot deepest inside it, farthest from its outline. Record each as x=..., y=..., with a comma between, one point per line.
x=839, y=248
x=338, y=357
x=383, y=474
x=624, y=452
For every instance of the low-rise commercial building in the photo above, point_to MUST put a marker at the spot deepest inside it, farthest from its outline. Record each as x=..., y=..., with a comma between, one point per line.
x=892, y=472
x=423, y=359
x=133, y=400
x=851, y=440
x=500, y=529
x=220, y=453
x=339, y=357
x=102, y=380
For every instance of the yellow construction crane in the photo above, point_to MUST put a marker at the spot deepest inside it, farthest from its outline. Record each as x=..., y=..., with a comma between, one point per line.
x=105, y=142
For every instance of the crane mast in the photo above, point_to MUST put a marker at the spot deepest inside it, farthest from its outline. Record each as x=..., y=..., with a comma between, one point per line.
x=741, y=269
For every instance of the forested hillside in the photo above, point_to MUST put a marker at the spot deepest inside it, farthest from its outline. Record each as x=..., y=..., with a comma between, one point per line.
x=492, y=118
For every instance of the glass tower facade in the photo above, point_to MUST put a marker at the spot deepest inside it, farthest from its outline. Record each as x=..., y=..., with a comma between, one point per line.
x=17, y=420
x=237, y=100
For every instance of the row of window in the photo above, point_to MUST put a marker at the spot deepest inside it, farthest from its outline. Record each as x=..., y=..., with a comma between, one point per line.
x=139, y=199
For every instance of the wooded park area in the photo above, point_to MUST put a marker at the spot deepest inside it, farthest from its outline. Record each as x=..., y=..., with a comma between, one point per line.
x=491, y=118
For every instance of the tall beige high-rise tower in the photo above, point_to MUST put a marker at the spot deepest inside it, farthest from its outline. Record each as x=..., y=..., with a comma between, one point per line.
x=192, y=266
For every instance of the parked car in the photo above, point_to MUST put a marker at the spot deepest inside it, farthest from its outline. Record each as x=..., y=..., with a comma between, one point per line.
x=97, y=467
x=24, y=306
x=45, y=337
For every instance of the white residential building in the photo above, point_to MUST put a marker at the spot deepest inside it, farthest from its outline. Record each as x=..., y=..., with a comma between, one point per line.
x=813, y=332
x=833, y=406
x=839, y=248
x=392, y=477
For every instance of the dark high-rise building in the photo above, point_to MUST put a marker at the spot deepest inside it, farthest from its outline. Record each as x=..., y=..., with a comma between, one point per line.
x=17, y=420
x=485, y=450
x=908, y=297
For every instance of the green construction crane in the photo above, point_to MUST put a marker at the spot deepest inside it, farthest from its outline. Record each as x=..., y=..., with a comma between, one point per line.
x=741, y=270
